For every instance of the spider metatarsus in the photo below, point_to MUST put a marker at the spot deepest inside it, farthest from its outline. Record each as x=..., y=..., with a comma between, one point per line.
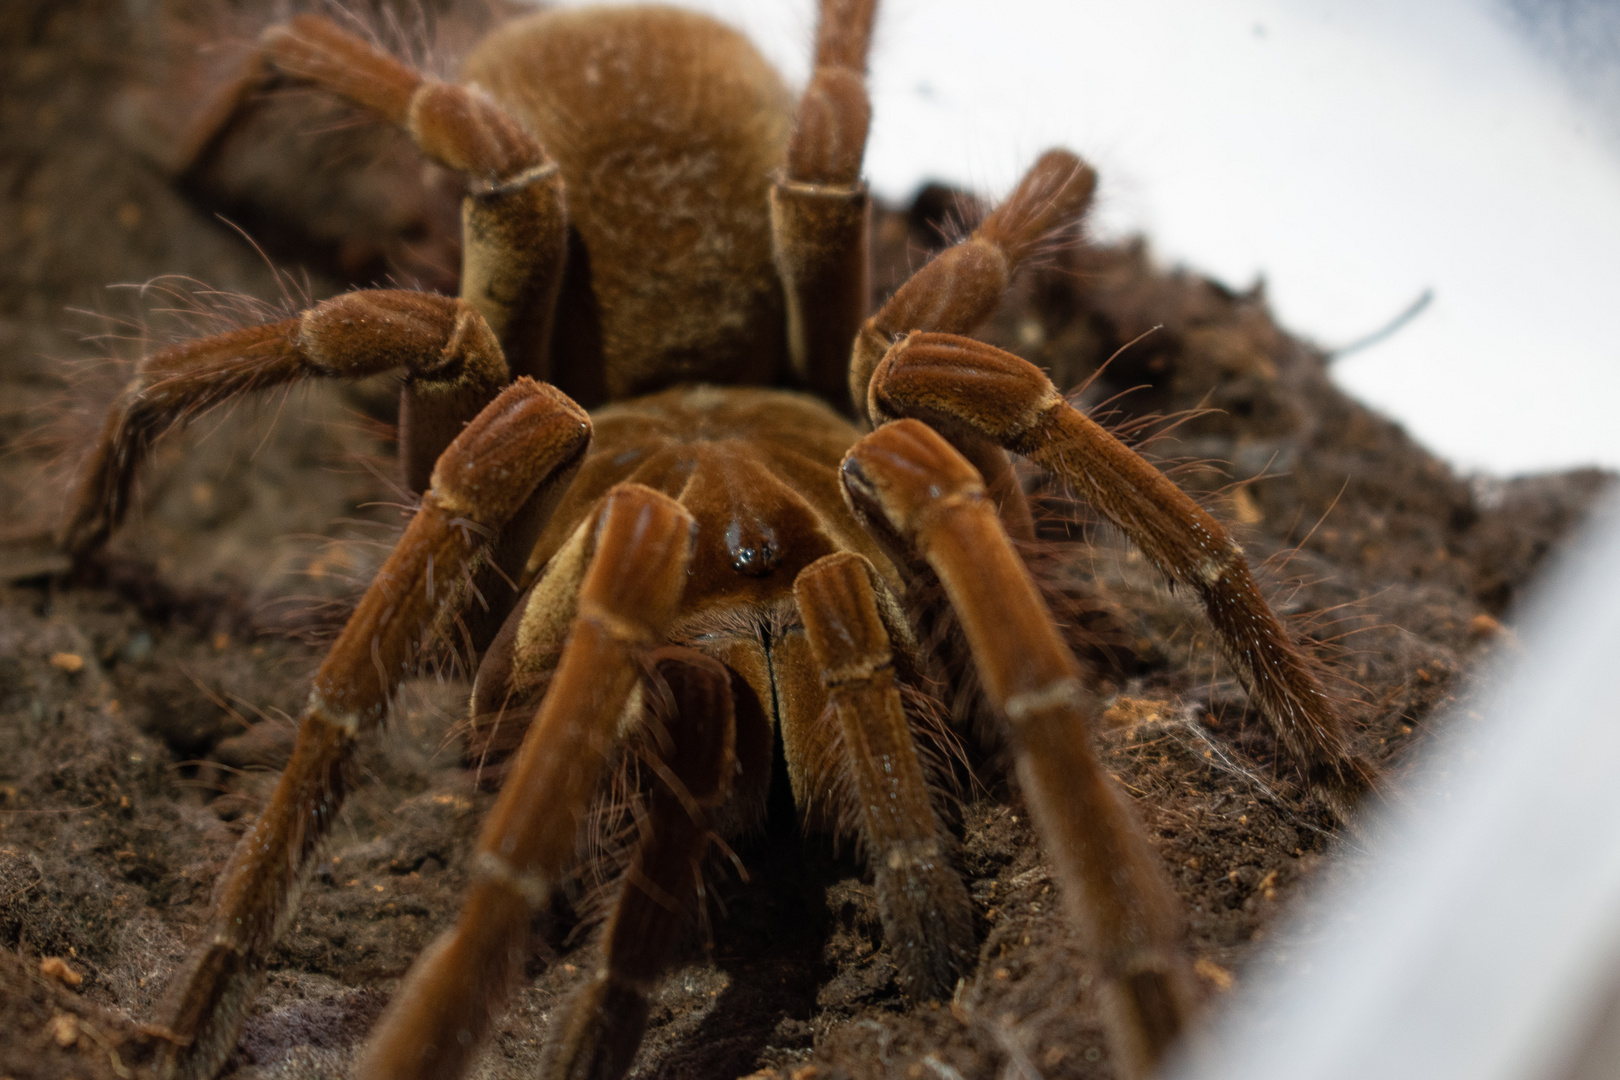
x=718, y=555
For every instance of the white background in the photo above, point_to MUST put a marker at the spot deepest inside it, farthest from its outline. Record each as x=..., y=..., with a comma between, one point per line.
x=1354, y=154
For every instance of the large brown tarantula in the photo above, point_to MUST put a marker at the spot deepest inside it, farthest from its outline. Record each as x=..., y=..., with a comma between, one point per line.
x=713, y=557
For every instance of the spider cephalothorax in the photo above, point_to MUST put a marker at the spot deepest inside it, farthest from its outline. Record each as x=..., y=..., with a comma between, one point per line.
x=654, y=230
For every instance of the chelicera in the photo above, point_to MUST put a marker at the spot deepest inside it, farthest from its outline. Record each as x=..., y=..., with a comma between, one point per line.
x=676, y=481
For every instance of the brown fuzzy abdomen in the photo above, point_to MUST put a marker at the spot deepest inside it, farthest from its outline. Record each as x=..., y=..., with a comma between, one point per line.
x=667, y=127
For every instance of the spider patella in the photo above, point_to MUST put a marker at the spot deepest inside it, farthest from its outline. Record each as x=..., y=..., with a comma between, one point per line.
x=716, y=555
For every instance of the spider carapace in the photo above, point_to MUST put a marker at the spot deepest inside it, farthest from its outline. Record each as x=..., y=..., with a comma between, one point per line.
x=716, y=557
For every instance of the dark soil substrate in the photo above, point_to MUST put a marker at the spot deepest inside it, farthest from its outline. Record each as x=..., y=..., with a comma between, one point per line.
x=145, y=701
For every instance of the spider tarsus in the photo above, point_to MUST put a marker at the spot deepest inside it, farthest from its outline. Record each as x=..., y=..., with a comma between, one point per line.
x=1149, y=1010
x=208, y=1006
x=927, y=923
x=315, y=49
x=1349, y=789
x=844, y=33
x=1053, y=195
x=599, y=1032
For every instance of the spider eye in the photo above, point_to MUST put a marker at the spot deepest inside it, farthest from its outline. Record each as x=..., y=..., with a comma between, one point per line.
x=754, y=552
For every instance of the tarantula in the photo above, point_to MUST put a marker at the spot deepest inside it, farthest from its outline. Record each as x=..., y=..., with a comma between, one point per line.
x=716, y=555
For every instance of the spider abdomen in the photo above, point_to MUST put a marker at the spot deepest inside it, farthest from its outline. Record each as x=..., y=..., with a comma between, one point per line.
x=667, y=127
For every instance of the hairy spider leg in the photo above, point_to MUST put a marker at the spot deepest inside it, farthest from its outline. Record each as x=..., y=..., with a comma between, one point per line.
x=952, y=382
x=456, y=355
x=442, y=344
x=916, y=490
x=514, y=227
x=514, y=220
x=526, y=444
x=820, y=210
x=638, y=545
x=960, y=288
x=924, y=907
x=693, y=749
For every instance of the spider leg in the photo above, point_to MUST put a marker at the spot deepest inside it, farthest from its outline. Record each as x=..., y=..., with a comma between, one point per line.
x=640, y=542
x=927, y=917
x=442, y=344
x=955, y=383
x=915, y=490
x=960, y=288
x=819, y=207
x=600, y=1028
x=514, y=222
x=527, y=442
